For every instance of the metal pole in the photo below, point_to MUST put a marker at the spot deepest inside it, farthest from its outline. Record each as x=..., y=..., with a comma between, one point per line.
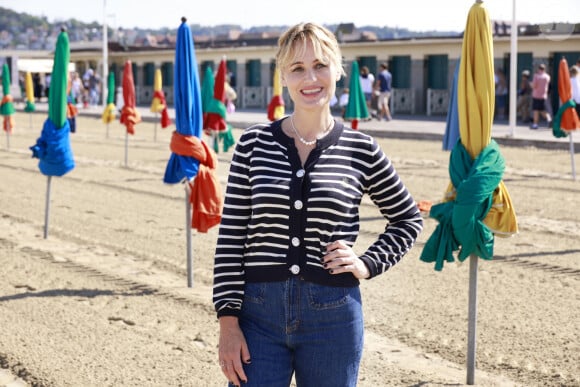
x=126, y=148
x=155, y=128
x=188, y=235
x=7, y=140
x=572, y=157
x=472, y=319
x=513, y=72
x=47, y=207
x=104, y=80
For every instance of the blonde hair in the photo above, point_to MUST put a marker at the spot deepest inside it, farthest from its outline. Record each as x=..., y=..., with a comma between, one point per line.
x=324, y=42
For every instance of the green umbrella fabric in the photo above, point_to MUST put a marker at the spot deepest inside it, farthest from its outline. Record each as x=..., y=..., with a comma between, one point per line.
x=111, y=88
x=356, y=108
x=207, y=89
x=57, y=98
x=7, y=106
x=461, y=221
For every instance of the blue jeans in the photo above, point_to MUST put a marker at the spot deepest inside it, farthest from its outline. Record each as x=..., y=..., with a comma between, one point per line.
x=297, y=327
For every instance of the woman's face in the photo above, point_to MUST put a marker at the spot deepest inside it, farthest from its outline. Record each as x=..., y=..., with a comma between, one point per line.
x=311, y=83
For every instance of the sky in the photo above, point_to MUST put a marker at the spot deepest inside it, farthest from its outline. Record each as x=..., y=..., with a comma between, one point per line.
x=415, y=15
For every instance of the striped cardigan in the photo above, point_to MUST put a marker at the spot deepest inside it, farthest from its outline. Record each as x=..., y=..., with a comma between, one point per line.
x=279, y=215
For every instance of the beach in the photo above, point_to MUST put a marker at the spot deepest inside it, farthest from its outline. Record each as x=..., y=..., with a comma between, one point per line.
x=104, y=301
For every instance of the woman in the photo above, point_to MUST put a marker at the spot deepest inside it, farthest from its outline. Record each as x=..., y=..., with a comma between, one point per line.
x=285, y=275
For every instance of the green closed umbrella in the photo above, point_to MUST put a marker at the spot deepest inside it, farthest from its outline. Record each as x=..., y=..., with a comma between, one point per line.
x=7, y=104
x=356, y=108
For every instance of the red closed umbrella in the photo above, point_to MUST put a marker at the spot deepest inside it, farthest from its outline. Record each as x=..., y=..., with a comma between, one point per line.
x=129, y=114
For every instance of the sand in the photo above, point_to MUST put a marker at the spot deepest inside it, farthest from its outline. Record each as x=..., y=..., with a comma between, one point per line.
x=104, y=301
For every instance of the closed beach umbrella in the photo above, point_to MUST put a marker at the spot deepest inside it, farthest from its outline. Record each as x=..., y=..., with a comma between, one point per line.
x=566, y=119
x=356, y=109
x=29, y=91
x=207, y=89
x=476, y=168
x=53, y=147
x=451, y=134
x=214, y=117
x=7, y=103
x=191, y=160
x=109, y=112
x=276, y=105
x=129, y=114
x=158, y=103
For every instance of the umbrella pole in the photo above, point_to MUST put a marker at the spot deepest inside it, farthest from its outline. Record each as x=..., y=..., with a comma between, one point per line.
x=7, y=140
x=188, y=235
x=107, y=130
x=572, y=157
x=155, y=128
x=472, y=319
x=126, y=148
x=29, y=120
x=47, y=207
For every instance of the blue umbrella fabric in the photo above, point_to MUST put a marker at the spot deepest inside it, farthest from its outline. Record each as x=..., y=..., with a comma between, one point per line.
x=188, y=111
x=451, y=135
x=53, y=147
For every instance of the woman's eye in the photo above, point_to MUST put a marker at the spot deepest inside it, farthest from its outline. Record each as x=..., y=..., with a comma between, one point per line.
x=320, y=65
x=297, y=69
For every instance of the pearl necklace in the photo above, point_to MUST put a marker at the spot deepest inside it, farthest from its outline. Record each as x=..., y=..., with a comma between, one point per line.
x=302, y=140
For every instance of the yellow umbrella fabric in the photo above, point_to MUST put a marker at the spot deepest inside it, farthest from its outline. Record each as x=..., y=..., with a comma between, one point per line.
x=276, y=108
x=29, y=89
x=476, y=103
x=158, y=104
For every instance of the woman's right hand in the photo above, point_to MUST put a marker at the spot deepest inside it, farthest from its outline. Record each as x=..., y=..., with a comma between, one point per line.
x=232, y=350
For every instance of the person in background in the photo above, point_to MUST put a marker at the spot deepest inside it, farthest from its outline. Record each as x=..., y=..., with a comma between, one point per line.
x=575, y=83
x=501, y=95
x=384, y=86
x=286, y=276
x=540, y=85
x=524, y=100
x=367, y=84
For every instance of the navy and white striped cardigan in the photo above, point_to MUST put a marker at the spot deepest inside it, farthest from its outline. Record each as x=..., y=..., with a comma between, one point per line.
x=279, y=215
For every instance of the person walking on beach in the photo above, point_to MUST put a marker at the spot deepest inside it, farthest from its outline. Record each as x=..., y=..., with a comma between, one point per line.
x=384, y=85
x=540, y=85
x=286, y=277
x=524, y=100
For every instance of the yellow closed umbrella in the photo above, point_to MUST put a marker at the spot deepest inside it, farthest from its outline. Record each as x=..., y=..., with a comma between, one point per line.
x=477, y=205
x=158, y=104
x=29, y=89
x=276, y=107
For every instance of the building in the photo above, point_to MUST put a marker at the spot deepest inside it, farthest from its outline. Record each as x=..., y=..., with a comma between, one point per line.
x=422, y=67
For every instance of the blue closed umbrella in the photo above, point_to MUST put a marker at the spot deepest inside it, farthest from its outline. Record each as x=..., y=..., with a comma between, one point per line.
x=451, y=135
x=188, y=112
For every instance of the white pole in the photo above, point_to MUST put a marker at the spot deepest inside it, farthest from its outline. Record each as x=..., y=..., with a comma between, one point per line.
x=513, y=72
x=472, y=319
x=572, y=157
x=188, y=234
x=47, y=207
x=104, y=80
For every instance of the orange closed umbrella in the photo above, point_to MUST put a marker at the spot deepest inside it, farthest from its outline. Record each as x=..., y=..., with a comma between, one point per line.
x=566, y=119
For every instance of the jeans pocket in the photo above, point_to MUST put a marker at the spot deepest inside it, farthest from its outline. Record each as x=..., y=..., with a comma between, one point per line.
x=254, y=292
x=327, y=297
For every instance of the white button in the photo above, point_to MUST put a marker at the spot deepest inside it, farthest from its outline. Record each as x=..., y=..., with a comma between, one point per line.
x=300, y=173
x=295, y=242
x=298, y=204
x=295, y=269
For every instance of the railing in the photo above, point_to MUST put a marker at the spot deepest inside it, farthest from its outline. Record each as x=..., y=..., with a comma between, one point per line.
x=437, y=101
